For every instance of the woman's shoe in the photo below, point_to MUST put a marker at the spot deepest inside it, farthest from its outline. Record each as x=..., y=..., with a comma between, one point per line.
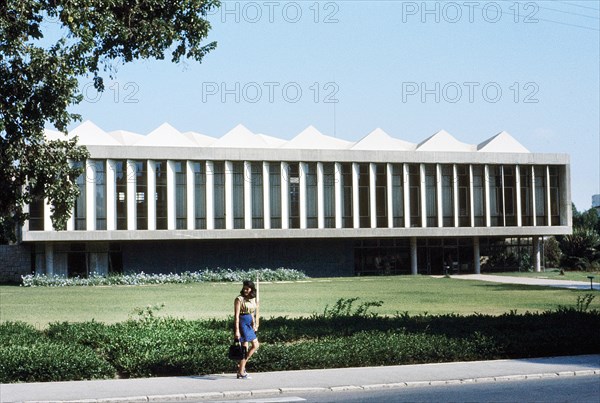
x=243, y=376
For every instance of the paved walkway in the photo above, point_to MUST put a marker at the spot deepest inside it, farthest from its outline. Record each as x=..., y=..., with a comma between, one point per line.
x=579, y=285
x=273, y=384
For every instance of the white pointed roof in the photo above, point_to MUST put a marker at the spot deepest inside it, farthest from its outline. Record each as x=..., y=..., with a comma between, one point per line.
x=125, y=137
x=56, y=135
x=166, y=135
x=311, y=138
x=380, y=140
x=272, y=141
x=444, y=141
x=201, y=140
x=241, y=137
x=502, y=143
x=90, y=134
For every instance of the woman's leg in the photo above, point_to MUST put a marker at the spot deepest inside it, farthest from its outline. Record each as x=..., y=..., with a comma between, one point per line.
x=242, y=364
x=255, y=345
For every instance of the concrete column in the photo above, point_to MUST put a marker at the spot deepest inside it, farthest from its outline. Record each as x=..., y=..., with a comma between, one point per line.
x=111, y=195
x=131, y=196
x=171, y=196
x=228, y=195
x=455, y=191
x=48, y=220
x=503, y=197
x=151, y=194
x=406, y=192
x=548, y=203
x=372, y=195
x=413, y=256
x=438, y=189
x=423, y=192
x=564, y=180
x=191, y=197
x=285, y=191
x=536, y=255
x=302, y=168
x=266, y=195
x=90, y=194
x=533, y=197
x=488, y=214
x=49, y=258
x=355, y=209
x=338, y=194
x=210, y=195
x=388, y=192
x=247, y=195
x=320, y=198
x=476, y=256
x=471, y=199
x=518, y=194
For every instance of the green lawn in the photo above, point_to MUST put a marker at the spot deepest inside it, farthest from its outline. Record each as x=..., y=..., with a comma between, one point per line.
x=413, y=294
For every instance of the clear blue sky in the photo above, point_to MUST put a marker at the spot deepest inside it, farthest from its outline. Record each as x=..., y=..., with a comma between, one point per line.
x=412, y=68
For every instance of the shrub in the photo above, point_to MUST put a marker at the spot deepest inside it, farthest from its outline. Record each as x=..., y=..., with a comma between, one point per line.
x=217, y=275
x=45, y=361
x=149, y=345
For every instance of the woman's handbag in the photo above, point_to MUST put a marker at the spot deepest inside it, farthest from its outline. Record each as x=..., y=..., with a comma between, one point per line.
x=237, y=351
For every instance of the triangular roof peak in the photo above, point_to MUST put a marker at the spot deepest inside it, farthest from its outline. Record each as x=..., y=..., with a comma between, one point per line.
x=164, y=128
x=165, y=135
x=56, y=135
x=378, y=139
x=311, y=138
x=443, y=141
x=272, y=141
x=126, y=137
x=90, y=134
x=201, y=140
x=502, y=142
x=241, y=137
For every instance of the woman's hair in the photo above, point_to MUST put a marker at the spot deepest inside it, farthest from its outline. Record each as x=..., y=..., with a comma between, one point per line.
x=249, y=284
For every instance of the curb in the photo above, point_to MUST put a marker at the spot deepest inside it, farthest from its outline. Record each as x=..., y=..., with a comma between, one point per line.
x=344, y=388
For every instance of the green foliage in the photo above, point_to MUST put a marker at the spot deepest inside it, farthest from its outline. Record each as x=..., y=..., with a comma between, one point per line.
x=28, y=356
x=343, y=308
x=151, y=345
x=39, y=82
x=580, y=249
x=207, y=275
x=586, y=219
x=552, y=252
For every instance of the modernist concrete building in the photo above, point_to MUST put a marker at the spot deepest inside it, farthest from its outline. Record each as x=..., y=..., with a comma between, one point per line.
x=171, y=201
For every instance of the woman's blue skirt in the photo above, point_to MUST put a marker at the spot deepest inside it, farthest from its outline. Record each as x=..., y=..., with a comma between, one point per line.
x=246, y=330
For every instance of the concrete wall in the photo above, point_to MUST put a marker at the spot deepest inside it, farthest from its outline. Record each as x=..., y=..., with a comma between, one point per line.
x=317, y=258
x=15, y=261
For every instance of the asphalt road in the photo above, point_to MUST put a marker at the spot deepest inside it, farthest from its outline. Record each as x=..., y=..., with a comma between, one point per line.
x=579, y=389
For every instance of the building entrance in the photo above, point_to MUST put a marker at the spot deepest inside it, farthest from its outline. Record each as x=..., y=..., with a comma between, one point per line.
x=444, y=255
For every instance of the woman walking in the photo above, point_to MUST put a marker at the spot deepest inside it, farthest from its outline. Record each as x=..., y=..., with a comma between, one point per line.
x=246, y=324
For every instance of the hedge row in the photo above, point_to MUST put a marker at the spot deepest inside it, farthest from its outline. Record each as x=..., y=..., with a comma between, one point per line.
x=157, y=346
x=202, y=276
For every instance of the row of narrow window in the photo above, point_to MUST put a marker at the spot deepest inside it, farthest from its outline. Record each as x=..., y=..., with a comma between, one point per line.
x=462, y=192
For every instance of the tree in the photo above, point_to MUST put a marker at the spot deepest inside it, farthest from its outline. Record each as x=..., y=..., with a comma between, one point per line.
x=39, y=82
x=581, y=249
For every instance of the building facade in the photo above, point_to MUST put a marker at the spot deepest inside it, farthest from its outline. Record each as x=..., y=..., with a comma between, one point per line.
x=173, y=202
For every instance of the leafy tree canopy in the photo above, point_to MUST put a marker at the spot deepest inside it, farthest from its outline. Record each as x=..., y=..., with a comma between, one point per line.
x=39, y=81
